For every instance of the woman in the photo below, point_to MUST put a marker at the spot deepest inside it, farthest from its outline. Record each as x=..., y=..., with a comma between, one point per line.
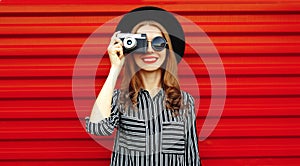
x=156, y=120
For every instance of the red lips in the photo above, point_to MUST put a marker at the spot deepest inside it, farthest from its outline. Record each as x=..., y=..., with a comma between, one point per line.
x=149, y=59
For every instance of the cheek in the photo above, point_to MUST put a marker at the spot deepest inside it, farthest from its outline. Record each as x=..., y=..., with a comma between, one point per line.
x=135, y=57
x=163, y=55
x=137, y=61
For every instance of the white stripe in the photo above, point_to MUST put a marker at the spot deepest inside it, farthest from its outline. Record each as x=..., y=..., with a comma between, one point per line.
x=173, y=132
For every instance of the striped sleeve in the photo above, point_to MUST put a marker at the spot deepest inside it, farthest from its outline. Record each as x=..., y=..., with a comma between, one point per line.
x=192, y=152
x=107, y=125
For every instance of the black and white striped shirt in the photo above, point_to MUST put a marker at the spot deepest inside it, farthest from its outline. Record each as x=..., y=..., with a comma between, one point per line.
x=151, y=136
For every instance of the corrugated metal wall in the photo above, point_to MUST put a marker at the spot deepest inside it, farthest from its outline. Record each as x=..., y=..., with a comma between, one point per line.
x=259, y=44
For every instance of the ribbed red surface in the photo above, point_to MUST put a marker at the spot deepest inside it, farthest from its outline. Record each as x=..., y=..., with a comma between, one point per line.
x=258, y=42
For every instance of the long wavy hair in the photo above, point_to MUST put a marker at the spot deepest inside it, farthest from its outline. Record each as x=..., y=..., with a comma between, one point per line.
x=132, y=81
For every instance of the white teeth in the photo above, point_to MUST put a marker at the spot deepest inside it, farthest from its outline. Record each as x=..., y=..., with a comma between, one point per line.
x=149, y=59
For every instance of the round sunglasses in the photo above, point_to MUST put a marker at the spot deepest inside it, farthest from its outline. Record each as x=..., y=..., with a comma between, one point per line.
x=158, y=43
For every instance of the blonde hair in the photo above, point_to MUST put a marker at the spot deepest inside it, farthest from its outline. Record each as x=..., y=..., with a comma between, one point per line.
x=132, y=82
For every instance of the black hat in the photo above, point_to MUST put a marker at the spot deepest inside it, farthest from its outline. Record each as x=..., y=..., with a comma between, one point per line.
x=166, y=19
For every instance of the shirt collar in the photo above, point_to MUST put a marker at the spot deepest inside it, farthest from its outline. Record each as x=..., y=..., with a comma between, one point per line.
x=159, y=93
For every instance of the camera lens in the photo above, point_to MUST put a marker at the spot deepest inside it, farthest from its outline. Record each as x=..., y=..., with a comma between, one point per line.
x=129, y=43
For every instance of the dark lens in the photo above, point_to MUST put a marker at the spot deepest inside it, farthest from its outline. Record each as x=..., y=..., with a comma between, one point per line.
x=158, y=43
x=129, y=42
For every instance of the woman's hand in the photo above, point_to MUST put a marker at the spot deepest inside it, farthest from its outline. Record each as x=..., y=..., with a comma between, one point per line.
x=115, y=52
x=102, y=107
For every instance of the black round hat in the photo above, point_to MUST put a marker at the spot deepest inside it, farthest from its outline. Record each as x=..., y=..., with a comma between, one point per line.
x=166, y=19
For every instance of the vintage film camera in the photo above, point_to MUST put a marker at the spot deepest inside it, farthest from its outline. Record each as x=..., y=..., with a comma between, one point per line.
x=133, y=42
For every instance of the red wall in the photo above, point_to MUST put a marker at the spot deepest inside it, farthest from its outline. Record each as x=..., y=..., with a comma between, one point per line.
x=258, y=42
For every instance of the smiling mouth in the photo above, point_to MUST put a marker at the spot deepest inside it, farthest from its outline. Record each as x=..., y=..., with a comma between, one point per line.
x=149, y=59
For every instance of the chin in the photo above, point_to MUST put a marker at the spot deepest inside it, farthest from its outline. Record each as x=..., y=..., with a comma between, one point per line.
x=149, y=69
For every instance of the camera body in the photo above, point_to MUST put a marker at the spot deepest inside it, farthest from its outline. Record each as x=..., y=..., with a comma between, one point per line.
x=133, y=42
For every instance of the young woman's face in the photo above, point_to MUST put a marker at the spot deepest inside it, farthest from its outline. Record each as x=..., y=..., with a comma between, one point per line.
x=152, y=60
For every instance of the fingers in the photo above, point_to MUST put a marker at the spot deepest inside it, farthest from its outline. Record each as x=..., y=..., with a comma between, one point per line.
x=118, y=44
x=114, y=36
x=114, y=39
x=118, y=41
x=121, y=55
x=115, y=51
x=115, y=42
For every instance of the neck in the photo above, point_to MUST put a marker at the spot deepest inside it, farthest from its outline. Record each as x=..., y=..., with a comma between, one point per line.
x=151, y=79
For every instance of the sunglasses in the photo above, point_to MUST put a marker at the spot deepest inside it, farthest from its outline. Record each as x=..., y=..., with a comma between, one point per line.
x=158, y=43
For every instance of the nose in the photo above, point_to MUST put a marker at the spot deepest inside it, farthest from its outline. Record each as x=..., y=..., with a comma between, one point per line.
x=149, y=47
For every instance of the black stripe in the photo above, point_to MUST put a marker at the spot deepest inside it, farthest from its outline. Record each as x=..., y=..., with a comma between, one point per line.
x=172, y=141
